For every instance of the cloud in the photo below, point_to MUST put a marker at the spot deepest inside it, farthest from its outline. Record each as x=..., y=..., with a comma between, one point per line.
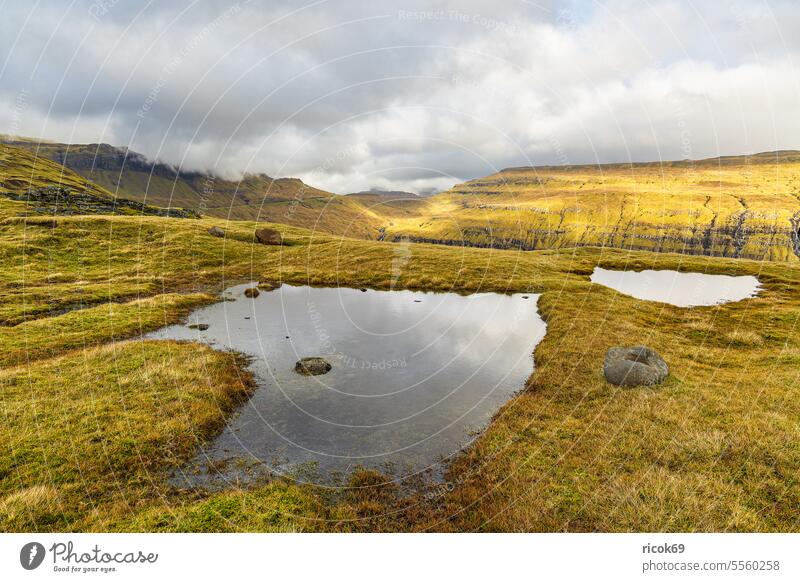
x=403, y=95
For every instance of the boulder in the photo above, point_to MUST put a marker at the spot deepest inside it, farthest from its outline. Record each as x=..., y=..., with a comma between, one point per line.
x=200, y=326
x=251, y=292
x=216, y=231
x=269, y=236
x=312, y=366
x=634, y=366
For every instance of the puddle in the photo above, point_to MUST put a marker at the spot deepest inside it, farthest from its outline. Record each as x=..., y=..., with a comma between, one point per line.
x=414, y=376
x=681, y=289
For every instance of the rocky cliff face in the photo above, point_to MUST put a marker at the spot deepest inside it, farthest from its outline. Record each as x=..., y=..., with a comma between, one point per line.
x=64, y=201
x=746, y=234
x=729, y=207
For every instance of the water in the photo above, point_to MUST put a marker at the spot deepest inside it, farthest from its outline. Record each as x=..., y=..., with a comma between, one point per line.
x=681, y=289
x=414, y=376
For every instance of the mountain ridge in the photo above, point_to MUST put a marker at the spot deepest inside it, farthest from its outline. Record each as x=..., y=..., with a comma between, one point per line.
x=732, y=206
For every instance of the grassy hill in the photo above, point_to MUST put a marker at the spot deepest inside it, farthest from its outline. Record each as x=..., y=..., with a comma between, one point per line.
x=21, y=171
x=254, y=197
x=731, y=207
x=50, y=188
x=736, y=206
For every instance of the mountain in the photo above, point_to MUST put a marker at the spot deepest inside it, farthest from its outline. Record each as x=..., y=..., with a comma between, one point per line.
x=732, y=206
x=735, y=206
x=130, y=174
x=255, y=197
x=387, y=194
x=47, y=187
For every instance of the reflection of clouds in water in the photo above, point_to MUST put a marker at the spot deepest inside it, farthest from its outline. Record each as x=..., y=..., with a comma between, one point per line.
x=413, y=372
x=676, y=288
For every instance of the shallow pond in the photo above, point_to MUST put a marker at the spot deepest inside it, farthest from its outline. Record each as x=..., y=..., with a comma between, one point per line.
x=676, y=288
x=414, y=376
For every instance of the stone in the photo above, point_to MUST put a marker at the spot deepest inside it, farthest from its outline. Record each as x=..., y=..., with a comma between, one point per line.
x=634, y=366
x=313, y=366
x=200, y=326
x=268, y=236
x=216, y=231
x=251, y=292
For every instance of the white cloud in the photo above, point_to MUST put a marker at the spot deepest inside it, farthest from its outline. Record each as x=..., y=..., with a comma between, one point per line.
x=350, y=96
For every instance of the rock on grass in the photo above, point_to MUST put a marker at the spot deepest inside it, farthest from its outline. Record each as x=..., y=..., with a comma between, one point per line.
x=268, y=236
x=634, y=366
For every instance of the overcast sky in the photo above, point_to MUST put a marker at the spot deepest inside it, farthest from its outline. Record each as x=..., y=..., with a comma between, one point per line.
x=351, y=95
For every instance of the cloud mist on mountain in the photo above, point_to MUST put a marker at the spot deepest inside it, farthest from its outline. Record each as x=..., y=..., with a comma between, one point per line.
x=352, y=96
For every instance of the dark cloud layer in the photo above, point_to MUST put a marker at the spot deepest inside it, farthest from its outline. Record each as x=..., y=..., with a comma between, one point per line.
x=403, y=95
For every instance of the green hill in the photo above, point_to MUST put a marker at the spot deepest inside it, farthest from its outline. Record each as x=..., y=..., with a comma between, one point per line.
x=50, y=188
x=735, y=206
x=254, y=197
x=741, y=207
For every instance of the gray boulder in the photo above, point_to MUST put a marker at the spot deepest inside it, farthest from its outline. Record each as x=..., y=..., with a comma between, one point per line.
x=312, y=366
x=251, y=292
x=268, y=236
x=216, y=231
x=634, y=366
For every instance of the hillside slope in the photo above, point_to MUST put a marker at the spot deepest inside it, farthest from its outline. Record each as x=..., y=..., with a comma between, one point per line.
x=735, y=206
x=741, y=207
x=255, y=197
x=46, y=187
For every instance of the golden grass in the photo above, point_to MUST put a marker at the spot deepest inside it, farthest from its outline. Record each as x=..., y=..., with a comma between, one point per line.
x=101, y=425
x=21, y=170
x=42, y=338
x=715, y=448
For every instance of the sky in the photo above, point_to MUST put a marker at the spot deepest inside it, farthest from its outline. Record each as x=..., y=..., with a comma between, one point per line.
x=403, y=95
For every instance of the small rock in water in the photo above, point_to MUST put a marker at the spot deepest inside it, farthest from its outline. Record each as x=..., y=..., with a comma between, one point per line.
x=313, y=366
x=634, y=366
x=252, y=292
x=417, y=300
x=525, y=296
x=200, y=326
x=216, y=231
x=363, y=290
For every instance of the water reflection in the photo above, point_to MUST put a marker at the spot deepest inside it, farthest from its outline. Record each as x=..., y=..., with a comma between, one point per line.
x=676, y=288
x=414, y=374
